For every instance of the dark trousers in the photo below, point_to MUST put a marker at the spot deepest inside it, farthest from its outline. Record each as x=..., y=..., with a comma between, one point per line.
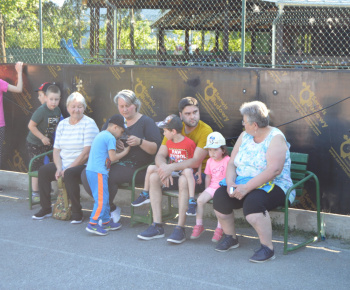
x=71, y=181
x=118, y=174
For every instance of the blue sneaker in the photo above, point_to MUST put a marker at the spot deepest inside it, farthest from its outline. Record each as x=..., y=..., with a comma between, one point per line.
x=227, y=243
x=96, y=229
x=262, y=255
x=111, y=226
x=142, y=199
x=178, y=236
x=192, y=205
x=154, y=231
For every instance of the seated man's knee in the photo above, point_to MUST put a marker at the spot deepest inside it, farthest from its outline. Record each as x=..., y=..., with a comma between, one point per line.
x=151, y=169
x=154, y=178
x=188, y=172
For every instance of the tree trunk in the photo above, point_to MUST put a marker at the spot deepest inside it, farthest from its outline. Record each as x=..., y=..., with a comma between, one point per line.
x=2, y=40
x=132, y=44
x=119, y=30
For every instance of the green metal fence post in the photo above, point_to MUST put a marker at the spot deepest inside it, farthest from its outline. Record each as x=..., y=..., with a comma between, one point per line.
x=41, y=31
x=243, y=34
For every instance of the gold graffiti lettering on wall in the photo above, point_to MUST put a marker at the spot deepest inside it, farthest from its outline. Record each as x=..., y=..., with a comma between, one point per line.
x=308, y=103
x=343, y=159
x=117, y=72
x=183, y=74
x=148, y=103
x=276, y=76
x=54, y=69
x=214, y=104
x=23, y=101
x=17, y=163
x=306, y=201
x=81, y=89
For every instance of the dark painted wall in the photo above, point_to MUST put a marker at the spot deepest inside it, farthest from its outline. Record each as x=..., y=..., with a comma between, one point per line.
x=289, y=94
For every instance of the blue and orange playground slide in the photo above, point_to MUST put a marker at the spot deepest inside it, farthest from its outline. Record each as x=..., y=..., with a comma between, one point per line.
x=70, y=48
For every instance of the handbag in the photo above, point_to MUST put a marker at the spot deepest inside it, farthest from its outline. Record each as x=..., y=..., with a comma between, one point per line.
x=62, y=209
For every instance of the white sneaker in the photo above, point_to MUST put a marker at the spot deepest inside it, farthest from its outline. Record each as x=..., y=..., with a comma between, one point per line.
x=115, y=215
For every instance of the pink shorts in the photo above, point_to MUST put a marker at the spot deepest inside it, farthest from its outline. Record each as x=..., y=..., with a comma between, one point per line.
x=211, y=191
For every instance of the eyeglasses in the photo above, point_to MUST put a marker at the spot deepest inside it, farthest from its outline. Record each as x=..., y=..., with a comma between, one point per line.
x=243, y=123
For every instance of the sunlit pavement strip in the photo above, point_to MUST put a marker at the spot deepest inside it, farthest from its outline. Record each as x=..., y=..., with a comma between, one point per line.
x=209, y=230
x=13, y=197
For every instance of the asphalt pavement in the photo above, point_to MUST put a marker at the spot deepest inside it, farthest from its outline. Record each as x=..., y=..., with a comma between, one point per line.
x=53, y=254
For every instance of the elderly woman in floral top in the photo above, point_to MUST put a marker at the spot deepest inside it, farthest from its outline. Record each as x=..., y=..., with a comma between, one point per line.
x=257, y=177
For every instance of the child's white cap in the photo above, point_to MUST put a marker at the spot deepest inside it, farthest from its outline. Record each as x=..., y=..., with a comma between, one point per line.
x=215, y=140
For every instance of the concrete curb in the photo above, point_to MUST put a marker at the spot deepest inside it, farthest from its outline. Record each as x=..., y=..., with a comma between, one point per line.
x=335, y=225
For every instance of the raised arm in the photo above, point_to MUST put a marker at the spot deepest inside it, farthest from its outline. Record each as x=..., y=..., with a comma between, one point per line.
x=165, y=170
x=18, y=88
x=116, y=156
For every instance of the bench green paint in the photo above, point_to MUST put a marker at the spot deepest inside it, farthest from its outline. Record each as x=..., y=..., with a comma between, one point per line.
x=34, y=174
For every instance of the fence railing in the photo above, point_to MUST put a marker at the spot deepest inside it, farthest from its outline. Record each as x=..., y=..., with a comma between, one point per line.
x=224, y=33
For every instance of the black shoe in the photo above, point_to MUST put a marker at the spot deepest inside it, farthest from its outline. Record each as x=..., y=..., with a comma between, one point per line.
x=142, y=199
x=192, y=205
x=41, y=214
x=154, y=231
x=178, y=236
x=227, y=243
x=78, y=220
x=1, y=189
x=262, y=255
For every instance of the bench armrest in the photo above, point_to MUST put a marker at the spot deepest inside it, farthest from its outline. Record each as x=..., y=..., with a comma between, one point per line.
x=36, y=157
x=133, y=181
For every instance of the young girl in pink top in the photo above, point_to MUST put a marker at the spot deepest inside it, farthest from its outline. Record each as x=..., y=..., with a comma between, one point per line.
x=4, y=87
x=215, y=171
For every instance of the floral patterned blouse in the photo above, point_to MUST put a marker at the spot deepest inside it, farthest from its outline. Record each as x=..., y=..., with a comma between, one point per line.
x=251, y=160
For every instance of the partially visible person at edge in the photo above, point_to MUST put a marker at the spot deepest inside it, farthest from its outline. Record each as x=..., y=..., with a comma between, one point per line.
x=6, y=87
x=142, y=135
x=257, y=178
x=196, y=130
x=42, y=127
x=74, y=136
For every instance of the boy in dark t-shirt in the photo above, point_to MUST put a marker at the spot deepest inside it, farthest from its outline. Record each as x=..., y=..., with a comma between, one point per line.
x=180, y=148
x=42, y=127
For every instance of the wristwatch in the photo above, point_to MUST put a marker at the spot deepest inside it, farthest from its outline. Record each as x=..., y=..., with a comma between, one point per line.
x=141, y=140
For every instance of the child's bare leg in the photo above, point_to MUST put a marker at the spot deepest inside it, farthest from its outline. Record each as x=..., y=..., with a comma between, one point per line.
x=188, y=173
x=35, y=184
x=201, y=201
x=144, y=196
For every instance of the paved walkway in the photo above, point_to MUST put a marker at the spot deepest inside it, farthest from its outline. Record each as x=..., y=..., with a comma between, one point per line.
x=52, y=254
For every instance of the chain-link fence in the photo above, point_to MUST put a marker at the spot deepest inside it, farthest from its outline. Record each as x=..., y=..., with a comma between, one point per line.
x=241, y=33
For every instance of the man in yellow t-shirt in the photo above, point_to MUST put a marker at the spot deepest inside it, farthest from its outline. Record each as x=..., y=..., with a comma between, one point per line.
x=198, y=131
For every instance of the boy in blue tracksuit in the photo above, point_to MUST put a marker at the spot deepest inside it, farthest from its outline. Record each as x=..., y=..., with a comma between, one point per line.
x=102, y=154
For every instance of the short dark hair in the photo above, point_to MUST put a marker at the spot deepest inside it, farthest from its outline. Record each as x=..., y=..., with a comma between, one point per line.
x=187, y=101
x=53, y=89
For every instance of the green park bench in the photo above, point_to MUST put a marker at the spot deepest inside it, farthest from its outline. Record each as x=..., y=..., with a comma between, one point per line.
x=299, y=174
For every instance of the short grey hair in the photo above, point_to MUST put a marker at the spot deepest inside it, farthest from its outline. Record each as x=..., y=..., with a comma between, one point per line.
x=76, y=96
x=129, y=97
x=257, y=112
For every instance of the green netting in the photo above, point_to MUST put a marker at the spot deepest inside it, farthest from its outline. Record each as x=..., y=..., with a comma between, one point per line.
x=175, y=33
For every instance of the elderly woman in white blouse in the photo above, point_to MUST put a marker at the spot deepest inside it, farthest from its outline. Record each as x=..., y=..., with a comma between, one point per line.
x=74, y=136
